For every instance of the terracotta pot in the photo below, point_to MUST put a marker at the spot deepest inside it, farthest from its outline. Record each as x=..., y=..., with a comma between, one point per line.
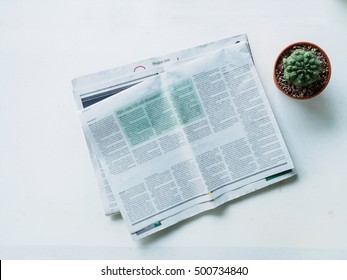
x=326, y=59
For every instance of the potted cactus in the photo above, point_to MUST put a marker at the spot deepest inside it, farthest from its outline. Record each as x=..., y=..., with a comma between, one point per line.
x=302, y=70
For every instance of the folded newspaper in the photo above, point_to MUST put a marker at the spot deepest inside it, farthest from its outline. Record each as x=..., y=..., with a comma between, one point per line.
x=174, y=136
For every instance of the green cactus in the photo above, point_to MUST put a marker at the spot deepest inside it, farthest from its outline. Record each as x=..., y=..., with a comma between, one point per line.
x=302, y=68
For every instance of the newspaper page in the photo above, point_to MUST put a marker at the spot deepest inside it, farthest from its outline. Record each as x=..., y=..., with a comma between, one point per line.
x=93, y=88
x=187, y=140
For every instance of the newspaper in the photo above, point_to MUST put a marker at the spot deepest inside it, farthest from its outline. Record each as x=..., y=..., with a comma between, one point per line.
x=187, y=140
x=91, y=89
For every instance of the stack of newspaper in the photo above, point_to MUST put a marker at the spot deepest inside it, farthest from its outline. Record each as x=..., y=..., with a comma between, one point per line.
x=173, y=136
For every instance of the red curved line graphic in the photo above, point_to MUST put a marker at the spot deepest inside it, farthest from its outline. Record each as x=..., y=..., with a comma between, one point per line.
x=140, y=66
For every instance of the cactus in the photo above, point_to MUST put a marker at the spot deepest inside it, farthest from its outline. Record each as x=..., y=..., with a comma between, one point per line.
x=302, y=68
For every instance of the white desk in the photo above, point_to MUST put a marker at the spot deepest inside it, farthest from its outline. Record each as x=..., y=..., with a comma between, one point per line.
x=49, y=201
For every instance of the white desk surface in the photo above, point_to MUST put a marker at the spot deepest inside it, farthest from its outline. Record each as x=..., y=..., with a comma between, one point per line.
x=49, y=202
